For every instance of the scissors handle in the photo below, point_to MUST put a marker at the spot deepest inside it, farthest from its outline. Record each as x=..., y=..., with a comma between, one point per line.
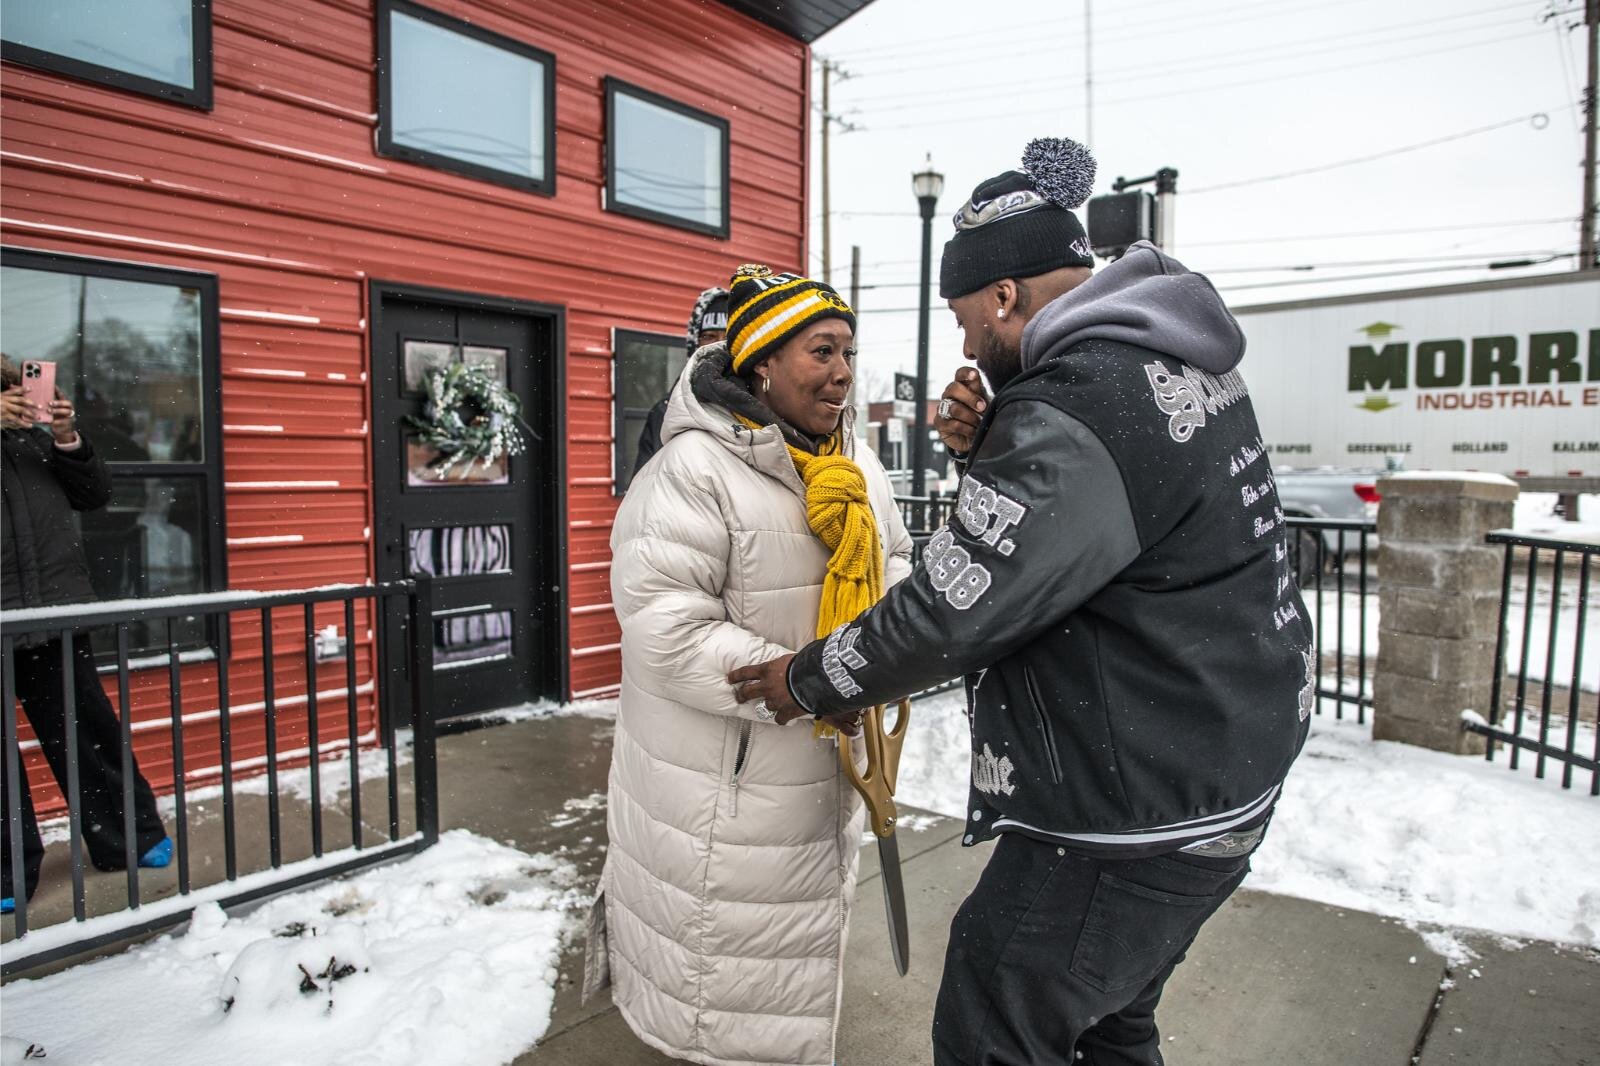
x=877, y=783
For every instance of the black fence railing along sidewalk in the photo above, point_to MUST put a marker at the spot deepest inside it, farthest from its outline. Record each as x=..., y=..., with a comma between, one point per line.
x=403, y=603
x=1331, y=558
x=1548, y=594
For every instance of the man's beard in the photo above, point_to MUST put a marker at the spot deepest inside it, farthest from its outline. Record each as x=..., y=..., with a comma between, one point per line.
x=999, y=362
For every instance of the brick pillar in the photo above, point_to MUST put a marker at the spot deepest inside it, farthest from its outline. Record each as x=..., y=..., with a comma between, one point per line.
x=1439, y=605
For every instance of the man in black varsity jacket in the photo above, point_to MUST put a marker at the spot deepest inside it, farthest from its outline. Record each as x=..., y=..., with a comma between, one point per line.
x=1115, y=587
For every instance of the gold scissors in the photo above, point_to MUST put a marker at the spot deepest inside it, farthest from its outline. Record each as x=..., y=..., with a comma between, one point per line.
x=876, y=786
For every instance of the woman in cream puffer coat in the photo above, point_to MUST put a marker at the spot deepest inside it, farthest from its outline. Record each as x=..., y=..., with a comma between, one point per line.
x=732, y=859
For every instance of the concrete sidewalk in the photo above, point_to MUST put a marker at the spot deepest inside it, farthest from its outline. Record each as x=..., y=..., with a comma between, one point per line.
x=1271, y=979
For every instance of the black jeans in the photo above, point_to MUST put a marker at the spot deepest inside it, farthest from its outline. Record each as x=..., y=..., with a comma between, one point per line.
x=38, y=679
x=1058, y=954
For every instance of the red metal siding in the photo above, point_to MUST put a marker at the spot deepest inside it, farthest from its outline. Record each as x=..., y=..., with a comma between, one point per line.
x=280, y=193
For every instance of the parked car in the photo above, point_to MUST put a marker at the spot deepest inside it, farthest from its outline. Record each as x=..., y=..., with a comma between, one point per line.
x=1326, y=493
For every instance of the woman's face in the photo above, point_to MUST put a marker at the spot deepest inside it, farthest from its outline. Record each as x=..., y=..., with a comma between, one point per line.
x=811, y=376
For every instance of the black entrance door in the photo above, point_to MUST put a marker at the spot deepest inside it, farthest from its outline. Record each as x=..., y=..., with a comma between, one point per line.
x=485, y=532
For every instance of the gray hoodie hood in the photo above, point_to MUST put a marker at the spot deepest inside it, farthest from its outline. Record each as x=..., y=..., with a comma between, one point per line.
x=1145, y=298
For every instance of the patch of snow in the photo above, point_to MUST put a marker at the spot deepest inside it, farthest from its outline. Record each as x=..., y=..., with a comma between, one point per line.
x=447, y=958
x=522, y=712
x=1536, y=514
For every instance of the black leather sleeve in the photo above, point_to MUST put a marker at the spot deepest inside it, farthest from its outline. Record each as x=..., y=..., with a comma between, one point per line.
x=1043, y=523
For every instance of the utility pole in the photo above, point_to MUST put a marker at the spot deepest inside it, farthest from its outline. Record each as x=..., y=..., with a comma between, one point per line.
x=827, y=209
x=1088, y=74
x=855, y=305
x=830, y=70
x=1587, y=257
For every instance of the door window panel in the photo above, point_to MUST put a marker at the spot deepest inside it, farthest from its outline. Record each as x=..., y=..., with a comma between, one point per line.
x=646, y=366
x=471, y=637
x=459, y=551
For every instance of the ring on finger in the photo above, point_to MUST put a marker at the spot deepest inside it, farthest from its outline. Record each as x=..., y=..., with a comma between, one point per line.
x=944, y=407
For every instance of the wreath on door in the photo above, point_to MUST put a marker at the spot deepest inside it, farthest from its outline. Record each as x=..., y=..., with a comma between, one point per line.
x=469, y=417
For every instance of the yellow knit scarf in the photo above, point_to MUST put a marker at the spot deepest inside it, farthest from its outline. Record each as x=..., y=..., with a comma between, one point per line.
x=839, y=512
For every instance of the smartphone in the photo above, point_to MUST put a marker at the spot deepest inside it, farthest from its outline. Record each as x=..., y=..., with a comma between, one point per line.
x=39, y=385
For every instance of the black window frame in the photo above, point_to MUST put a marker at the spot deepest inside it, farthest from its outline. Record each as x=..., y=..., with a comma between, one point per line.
x=387, y=146
x=213, y=504
x=200, y=97
x=621, y=468
x=613, y=87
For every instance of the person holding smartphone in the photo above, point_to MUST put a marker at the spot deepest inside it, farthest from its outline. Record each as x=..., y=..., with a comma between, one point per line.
x=47, y=475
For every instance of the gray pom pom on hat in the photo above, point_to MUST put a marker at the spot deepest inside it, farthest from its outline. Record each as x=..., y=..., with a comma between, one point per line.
x=1061, y=169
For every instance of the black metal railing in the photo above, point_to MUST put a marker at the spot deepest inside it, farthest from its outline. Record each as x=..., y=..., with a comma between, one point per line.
x=1559, y=557
x=403, y=603
x=1330, y=558
x=923, y=515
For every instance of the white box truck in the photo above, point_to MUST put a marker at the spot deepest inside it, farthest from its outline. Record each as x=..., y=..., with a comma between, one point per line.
x=1500, y=376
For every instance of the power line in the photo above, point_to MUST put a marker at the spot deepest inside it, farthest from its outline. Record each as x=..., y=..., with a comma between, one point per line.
x=947, y=120
x=1534, y=118
x=970, y=41
x=1313, y=46
x=1397, y=273
x=1348, y=234
x=1476, y=257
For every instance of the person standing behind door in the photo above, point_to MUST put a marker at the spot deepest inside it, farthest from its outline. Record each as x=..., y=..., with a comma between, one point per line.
x=708, y=324
x=49, y=474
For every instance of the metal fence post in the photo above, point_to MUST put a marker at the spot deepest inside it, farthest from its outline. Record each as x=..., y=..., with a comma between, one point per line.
x=426, y=775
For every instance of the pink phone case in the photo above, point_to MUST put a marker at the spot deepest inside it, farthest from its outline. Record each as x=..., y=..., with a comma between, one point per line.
x=39, y=385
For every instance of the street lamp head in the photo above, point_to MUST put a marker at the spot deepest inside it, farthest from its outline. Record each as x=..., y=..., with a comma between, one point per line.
x=927, y=183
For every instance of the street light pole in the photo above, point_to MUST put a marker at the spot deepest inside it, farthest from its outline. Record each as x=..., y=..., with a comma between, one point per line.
x=927, y=184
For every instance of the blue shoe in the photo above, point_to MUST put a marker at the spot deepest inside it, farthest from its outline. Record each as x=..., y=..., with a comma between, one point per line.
x=158, y=856
x=7, y=905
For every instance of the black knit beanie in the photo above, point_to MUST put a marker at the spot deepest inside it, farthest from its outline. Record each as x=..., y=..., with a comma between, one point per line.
x=710, y=312
x=1020, y=224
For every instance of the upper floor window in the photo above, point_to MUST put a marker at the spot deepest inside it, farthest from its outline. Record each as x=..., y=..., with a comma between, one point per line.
x=157, y=47
x=665, y=161
x=458, y=97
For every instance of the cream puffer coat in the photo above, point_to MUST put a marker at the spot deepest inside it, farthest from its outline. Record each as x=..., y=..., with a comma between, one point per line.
x=732, y=858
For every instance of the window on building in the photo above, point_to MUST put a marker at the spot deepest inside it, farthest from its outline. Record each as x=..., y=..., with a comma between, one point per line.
x=665, y=161
x=644, y=369
x=157, y=47
x=135, y=348
x=458, y=97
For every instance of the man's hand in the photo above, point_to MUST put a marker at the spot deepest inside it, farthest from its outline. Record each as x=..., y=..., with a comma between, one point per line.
x=769, y=682
x=966, y=405
x=64, y=428
x=16, y=410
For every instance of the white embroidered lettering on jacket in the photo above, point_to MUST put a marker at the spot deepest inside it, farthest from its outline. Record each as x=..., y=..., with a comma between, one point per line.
x=991, y=774
x=1189, y=397
x=987, y=514
x=1309, y=689
x=952, y=571
x=839, y=657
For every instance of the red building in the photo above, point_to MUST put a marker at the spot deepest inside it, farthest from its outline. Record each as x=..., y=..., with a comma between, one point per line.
x=246, y=230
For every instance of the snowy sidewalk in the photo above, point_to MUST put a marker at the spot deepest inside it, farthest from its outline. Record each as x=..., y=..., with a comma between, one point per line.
x=1272, y=979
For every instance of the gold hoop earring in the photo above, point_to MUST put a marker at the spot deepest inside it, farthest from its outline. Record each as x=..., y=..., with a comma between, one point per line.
x=766, y=384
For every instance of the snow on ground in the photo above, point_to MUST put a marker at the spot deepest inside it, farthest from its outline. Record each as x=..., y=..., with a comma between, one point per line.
x=1535, y=515
x=446, y=958
x=1381, y=827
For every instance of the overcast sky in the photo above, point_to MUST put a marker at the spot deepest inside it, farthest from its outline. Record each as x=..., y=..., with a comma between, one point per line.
x=1225, y=91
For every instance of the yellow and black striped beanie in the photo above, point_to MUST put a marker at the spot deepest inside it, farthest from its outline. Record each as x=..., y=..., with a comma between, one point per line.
x=766, y=309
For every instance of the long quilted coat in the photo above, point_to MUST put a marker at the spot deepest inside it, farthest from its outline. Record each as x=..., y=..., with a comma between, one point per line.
x=732, y=859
